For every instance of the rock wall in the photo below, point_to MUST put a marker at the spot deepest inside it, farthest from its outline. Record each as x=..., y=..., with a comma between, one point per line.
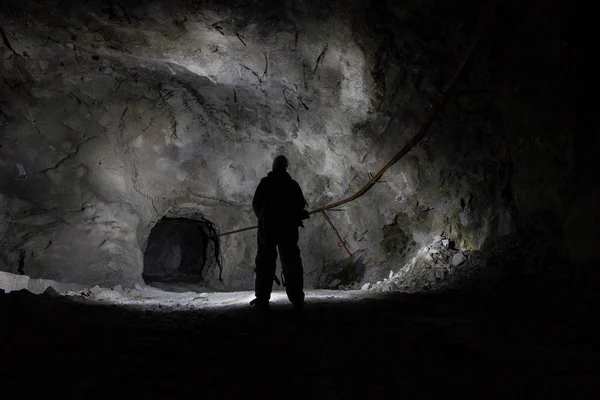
x=115, y=115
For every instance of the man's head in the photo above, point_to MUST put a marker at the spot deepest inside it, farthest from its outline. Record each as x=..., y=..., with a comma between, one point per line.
x=280, y=163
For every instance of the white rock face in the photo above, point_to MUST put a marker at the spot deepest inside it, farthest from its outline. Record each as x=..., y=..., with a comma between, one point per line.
x=182, y=118
x=113, y=118
x=11, y=282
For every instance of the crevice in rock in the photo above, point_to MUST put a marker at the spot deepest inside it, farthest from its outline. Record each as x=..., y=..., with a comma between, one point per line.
x=68, y=156
x=6, y=41
x=221, y=201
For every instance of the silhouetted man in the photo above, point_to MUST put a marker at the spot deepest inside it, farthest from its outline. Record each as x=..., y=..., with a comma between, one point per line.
x=279, y=205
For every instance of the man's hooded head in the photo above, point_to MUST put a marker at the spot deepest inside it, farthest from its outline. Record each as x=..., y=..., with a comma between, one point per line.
x=280, y=164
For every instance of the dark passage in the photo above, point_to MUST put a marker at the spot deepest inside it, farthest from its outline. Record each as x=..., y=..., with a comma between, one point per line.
x=393, y=347
x=176, y=251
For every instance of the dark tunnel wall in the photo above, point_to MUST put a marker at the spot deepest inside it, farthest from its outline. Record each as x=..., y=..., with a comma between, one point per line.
x=114, y=115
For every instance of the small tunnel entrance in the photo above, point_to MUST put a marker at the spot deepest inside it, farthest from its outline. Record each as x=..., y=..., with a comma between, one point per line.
x=180, y=250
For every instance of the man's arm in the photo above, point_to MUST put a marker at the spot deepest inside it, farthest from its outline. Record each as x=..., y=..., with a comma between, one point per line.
x=299, y=198
x=258, y=201
x=301, y=204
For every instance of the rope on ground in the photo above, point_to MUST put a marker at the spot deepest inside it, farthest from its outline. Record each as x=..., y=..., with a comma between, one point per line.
x=437, y=107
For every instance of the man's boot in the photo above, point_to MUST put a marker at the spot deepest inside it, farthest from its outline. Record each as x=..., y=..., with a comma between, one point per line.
x=261, y=306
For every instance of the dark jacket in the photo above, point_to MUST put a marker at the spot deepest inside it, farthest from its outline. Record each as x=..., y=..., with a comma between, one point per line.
x=278, y=200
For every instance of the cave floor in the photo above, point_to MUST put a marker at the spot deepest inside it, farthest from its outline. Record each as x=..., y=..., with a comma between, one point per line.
x=371, y=346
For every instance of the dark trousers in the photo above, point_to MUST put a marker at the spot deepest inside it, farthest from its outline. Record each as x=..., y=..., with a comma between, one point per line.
x=284, y=239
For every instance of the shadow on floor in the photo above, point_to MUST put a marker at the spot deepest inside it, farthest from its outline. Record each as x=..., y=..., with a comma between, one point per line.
x=393, y=346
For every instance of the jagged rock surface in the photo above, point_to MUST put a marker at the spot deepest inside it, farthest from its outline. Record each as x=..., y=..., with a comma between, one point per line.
x=115, y=115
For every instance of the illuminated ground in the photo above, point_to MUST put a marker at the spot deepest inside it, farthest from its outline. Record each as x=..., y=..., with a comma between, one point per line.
x=347, y=345
x=156, y=299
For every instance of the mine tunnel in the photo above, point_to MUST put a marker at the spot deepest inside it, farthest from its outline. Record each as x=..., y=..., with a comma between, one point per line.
x=451, y=242
x=177, y=251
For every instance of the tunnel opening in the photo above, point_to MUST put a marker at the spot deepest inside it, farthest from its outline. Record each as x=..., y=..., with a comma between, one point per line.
x=181, y=250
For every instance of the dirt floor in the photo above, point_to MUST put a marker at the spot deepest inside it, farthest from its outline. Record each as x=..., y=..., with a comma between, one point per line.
x=374, y=346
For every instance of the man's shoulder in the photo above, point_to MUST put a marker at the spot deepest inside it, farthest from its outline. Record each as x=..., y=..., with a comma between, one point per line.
x=265, y=183
x=295, y=182
x=279, y=181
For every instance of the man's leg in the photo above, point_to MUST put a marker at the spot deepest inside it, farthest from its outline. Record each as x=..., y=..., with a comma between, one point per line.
x=266, y=262
x=291, y=264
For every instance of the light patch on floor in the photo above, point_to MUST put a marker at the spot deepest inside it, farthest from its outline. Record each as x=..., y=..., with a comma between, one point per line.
x=152, y=297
